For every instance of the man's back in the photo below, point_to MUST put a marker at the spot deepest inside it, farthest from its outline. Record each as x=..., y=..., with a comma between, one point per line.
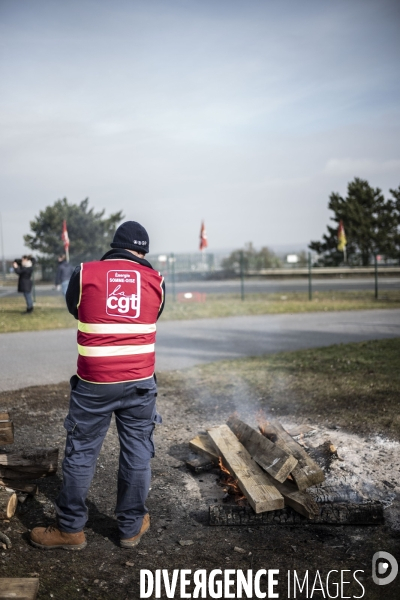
x=118, y=308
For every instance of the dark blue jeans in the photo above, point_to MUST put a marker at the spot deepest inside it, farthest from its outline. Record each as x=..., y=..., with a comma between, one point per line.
x=28, y=299
x=88, y=420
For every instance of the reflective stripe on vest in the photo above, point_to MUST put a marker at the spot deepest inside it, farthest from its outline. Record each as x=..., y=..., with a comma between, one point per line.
x=115, y=350
x=116, y=328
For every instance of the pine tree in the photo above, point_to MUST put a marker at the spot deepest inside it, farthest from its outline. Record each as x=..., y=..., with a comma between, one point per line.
x=89, y=232
x=369, y=221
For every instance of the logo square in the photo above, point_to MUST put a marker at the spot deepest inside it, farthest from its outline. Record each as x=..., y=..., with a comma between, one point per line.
x=123, y=294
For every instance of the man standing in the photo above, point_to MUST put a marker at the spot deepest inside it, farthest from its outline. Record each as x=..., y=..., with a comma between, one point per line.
x=117, y=301
x=63, y=274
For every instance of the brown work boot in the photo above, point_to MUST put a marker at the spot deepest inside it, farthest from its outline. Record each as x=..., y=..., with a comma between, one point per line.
x=133, y=541
x=49, y=538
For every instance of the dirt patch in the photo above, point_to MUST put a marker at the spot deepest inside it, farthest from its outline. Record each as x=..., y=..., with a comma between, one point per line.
x=179, y=501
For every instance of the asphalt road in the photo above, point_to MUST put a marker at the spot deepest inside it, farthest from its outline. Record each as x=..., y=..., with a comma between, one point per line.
x=297, y=284
x=38, y=358
x=293, y=284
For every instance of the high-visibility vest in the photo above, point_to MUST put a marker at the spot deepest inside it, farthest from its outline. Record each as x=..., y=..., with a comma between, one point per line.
x=117, y=313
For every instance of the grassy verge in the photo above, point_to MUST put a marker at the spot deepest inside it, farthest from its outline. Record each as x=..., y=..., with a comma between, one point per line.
x=353, y=386
x=50, y=311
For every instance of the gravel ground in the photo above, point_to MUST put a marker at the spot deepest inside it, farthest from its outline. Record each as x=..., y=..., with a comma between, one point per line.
x=180, y=537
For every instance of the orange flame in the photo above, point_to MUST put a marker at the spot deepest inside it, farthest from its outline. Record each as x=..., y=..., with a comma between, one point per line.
x=262, y=421
x=263, y=424
x=222, y=467
x=229, y=483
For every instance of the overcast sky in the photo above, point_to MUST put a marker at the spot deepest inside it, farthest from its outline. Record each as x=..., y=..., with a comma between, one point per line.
x=244, y=113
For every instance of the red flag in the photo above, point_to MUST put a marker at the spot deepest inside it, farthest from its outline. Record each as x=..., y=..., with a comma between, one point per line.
x=341, y=245
x=203, y=237
x=64, y=236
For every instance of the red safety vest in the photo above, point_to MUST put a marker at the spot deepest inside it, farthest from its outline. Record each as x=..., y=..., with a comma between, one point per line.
x=117, y=311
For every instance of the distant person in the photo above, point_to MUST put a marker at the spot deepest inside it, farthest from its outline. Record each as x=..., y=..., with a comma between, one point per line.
x=24, y=268
x=63, y=274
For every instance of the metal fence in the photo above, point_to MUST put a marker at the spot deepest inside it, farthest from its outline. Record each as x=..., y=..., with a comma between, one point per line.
x=209, y=266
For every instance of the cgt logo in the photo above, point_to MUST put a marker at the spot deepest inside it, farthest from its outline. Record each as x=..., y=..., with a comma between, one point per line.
x=123, y=294
x=384, y=568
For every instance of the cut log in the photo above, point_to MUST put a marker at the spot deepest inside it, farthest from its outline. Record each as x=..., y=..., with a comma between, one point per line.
x=275, y=461
x=251, y=479
x=307, y=472
x=23, y=588
x=20, y=486
x=41, y=462
x=201, y=444
x=8, y=503
x=6, y=429
x=330, y=514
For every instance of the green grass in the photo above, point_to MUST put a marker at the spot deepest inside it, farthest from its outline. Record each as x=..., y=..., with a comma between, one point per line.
x=50, y=311
x=353, y=386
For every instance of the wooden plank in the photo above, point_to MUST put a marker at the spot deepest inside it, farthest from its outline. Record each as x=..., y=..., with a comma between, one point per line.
x=33, y=464
x=201, y=444
x=275, y=461
x=6, y=432
x=19, y=588
x=5, y=416
x=301, y=502
x=251, y=479
x=307, y=472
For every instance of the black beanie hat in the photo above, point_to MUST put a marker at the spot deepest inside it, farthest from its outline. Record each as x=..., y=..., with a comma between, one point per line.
x=131, y=235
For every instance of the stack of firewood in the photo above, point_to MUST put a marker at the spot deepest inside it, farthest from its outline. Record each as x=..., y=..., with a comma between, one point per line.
x=19, y=470
x=273, y=471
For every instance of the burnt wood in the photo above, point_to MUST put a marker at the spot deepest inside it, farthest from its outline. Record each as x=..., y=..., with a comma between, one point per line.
x=330, y=514
x=306, y=473
x=275, y=461
x=200, y=465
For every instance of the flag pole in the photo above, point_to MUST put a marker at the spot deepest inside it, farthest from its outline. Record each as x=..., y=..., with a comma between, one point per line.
x=241, y=275
x=3, y=260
